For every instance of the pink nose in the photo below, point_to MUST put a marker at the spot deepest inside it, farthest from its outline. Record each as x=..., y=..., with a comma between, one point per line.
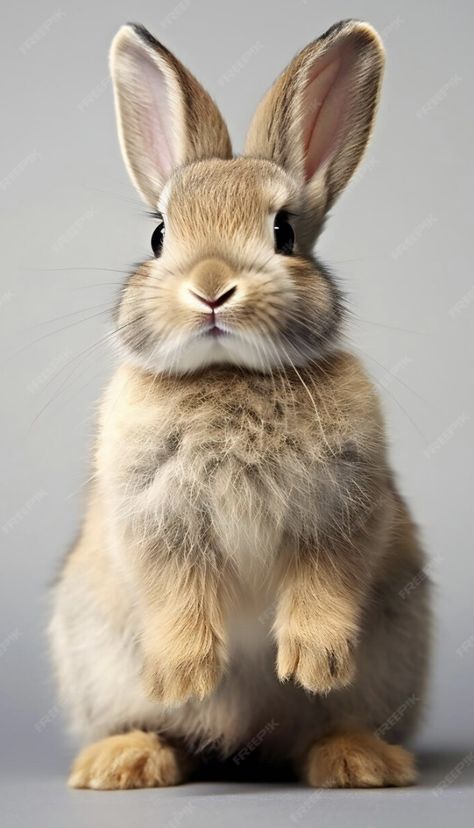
x=218, y=301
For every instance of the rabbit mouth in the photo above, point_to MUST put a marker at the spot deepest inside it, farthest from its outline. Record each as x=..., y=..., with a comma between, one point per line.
x=215, y=331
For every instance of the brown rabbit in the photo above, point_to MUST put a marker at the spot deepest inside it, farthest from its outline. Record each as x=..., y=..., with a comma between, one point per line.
x=247, y=571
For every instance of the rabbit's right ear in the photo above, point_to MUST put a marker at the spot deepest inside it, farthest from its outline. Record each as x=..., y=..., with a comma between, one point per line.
x=165, y=118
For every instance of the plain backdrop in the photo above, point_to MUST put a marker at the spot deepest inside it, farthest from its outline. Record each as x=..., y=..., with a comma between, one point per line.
x=399, y=240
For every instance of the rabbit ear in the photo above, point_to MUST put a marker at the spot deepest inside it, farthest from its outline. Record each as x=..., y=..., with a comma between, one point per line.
x=165, y=118
x=316, y=119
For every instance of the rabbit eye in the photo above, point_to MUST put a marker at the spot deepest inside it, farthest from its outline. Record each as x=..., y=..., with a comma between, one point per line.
x=157, y=238
x=284, y=233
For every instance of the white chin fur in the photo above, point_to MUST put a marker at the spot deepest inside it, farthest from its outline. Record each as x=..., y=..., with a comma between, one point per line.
x=199, y=353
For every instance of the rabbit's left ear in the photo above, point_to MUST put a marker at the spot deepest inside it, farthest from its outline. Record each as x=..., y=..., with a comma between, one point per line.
x=164, y=116
x=316, y=119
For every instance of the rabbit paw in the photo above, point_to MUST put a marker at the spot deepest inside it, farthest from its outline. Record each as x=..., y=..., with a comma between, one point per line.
x=128, y=760
x=358, y=759
x=317, y=667
x=178, y=682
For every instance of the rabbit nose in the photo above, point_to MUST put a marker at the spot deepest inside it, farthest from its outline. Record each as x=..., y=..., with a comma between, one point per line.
x=218, y=300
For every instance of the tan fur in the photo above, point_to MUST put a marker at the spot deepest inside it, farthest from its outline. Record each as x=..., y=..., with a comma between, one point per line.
x=358, y=760
x=245, y=554
x=130, y=760
x=183, y=634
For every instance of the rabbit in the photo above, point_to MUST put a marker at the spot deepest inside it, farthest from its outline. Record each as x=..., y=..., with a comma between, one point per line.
x=248, y=581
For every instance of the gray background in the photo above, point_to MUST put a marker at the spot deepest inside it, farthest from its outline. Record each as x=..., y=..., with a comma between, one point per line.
x=400, y=240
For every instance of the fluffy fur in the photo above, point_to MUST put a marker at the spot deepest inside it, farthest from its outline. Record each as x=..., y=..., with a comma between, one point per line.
x=246, y=558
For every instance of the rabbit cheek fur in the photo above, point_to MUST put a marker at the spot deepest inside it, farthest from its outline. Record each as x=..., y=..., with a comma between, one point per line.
x=247, y=576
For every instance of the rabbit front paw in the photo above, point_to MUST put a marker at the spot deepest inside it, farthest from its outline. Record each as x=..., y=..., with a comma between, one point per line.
x=174, y=683
x=319, y=667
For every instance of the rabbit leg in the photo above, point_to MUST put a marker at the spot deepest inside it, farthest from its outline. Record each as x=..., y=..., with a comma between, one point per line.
x=129, y=760
x=357, y=759
x=183, y=635
x=317, y=625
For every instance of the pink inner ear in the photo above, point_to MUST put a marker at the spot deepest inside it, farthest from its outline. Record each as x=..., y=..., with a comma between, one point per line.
x=324, y=108
x=155, y=118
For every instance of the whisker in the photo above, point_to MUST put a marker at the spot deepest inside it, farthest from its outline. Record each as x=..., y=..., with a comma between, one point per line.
x=73, y=269
x=397, y=378
x=109, y=336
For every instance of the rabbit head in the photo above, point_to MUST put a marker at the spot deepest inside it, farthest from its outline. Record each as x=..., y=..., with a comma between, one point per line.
x=232, y=279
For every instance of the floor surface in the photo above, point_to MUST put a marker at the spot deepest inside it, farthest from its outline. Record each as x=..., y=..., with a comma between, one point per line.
x=444, y=797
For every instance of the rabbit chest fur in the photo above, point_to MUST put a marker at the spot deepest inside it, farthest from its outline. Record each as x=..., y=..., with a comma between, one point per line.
x=232, y=467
